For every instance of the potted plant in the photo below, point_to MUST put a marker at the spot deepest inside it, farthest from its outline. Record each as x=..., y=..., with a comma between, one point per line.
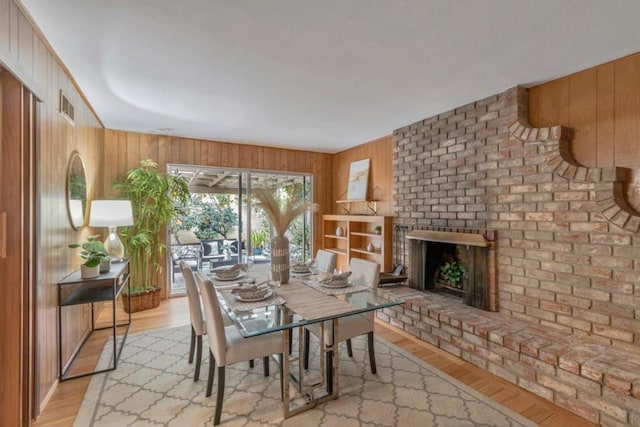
x=281, y=209
x=258, y=240
x=94, y=253
x=156, y=199
x=377, y=229
x=453, y=273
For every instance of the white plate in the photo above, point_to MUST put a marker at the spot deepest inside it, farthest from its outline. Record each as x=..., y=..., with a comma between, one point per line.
x=228, y=279
x=224, y=286
x=326, y=285
x=262, y=298
x=301, y=274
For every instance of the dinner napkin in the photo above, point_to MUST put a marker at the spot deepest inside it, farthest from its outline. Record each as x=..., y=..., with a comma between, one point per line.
x=251, y=287
x=236, y=267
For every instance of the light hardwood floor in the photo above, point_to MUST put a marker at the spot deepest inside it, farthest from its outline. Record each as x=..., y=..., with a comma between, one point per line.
x=65, y=402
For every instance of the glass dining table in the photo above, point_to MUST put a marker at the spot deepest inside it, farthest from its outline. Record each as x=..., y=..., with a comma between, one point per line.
x=295, y=305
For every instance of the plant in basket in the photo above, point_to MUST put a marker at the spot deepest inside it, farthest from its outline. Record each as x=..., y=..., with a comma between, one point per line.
x=156, y=199
x=453, y=273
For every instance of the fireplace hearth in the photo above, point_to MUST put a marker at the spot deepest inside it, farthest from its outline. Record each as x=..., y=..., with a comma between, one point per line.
x=459, y=263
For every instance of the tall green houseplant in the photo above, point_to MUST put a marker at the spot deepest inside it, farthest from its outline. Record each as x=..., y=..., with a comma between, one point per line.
x=156, y=199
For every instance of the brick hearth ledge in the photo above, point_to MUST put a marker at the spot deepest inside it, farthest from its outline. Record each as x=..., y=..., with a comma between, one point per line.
x=597, y=382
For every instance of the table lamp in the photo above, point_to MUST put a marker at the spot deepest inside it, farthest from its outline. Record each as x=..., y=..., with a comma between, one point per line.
x=111, y=214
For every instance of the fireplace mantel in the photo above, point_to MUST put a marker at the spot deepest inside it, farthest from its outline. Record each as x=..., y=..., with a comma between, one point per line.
x=455, y=238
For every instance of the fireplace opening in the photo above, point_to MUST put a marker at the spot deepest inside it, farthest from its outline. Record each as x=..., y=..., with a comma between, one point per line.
x=459, y=264
x=459, y=270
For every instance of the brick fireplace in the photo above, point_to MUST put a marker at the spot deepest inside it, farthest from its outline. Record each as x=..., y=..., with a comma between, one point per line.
x=432, y=249
x=567, y=257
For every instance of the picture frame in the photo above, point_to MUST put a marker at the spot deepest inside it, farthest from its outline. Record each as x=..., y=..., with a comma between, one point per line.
x=358, y=180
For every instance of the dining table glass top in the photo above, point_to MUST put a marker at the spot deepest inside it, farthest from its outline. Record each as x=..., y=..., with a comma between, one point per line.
x=298, y=305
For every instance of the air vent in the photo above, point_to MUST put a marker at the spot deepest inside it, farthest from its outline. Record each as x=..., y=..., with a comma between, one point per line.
x=66, y=109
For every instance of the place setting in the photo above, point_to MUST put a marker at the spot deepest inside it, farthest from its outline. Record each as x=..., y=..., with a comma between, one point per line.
x=250, y=295
x=336, y=283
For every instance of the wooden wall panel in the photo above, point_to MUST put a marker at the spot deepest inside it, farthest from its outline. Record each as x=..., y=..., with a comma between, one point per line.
x=627, y=111
x=582, y=115
x=601, y=105
x=605, y=109
x=21, y=44
x=123, y=150
x=380, y=151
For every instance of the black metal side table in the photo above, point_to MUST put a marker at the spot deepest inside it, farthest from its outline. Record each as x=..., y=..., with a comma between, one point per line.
x=74, y=290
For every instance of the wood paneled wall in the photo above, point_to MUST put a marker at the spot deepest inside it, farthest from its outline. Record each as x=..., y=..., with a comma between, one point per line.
x=380, y=151
x=602, y=107
x=27, y=56
x=123, y=150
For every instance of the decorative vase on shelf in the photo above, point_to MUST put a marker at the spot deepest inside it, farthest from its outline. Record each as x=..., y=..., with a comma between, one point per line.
x=280, y=259
x=89, y=272
x=339, y=231
x=370, y=247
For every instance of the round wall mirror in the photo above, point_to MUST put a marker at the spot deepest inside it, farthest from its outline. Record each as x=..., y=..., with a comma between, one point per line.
x=76, y=191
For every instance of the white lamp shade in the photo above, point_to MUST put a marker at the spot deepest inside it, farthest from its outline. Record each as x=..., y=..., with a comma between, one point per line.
x=110, y=213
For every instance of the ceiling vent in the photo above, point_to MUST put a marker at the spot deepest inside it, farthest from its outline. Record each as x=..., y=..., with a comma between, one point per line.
x=66, y=109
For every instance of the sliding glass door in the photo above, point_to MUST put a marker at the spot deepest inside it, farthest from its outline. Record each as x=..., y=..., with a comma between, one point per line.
x=223, y=226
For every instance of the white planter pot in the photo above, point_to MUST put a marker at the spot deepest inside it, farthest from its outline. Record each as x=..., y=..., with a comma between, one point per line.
x=89, y=272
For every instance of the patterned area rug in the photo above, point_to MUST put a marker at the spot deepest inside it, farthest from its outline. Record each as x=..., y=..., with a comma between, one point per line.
x=153, y=386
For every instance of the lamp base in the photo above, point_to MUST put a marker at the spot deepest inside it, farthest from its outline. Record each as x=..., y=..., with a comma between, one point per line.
x=113, y=245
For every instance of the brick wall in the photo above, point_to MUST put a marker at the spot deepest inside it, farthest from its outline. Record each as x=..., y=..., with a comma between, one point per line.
x=567, y=259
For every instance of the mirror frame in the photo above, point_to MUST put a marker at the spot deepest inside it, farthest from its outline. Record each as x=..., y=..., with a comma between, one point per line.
x=76, y=192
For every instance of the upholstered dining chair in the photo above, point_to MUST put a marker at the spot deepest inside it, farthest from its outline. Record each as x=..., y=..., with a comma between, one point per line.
x=326, y=261
x=227, y=346
x=198, y=327
x=362, y=272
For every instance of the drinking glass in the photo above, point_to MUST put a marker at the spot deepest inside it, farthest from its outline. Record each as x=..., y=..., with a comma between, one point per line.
x=248, y=261
x=313, y=266
x=274, y=282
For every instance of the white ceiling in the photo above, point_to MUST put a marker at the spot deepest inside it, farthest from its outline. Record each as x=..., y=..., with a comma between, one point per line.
x=322, y=75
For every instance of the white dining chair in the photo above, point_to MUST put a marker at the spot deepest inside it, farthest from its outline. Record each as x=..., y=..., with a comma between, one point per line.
x=326, y=261
x=362, y=272
x=227, y=346
x=198, y=327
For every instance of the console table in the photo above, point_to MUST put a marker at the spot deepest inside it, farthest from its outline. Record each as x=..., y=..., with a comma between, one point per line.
x=74, y=290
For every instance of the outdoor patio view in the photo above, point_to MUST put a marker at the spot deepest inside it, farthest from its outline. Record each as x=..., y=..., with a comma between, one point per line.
x=223, y=226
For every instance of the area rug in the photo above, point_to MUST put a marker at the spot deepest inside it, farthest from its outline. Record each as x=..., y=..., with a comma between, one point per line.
x=153, y=386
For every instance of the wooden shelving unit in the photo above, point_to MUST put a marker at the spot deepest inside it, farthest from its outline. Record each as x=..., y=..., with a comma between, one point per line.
x=358, y=232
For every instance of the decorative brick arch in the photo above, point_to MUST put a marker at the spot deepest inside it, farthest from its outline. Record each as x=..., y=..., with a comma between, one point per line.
x=612, y=202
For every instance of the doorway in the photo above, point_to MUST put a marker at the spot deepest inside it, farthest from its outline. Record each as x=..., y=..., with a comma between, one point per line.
x=18, y=243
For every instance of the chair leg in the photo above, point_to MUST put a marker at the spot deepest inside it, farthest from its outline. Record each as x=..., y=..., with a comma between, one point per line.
x=196, y=377
x=251, y=363
x=265, y=365
x=329, y=366
x=290, y=341
x=372, y=353
x=349, y=348
x=220, y=396
x=192, y=345
x=212, y=372
x=306, y=348
x=281, y=378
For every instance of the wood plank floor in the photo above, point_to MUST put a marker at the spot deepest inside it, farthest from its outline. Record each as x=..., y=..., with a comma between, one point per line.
x=65, y=402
